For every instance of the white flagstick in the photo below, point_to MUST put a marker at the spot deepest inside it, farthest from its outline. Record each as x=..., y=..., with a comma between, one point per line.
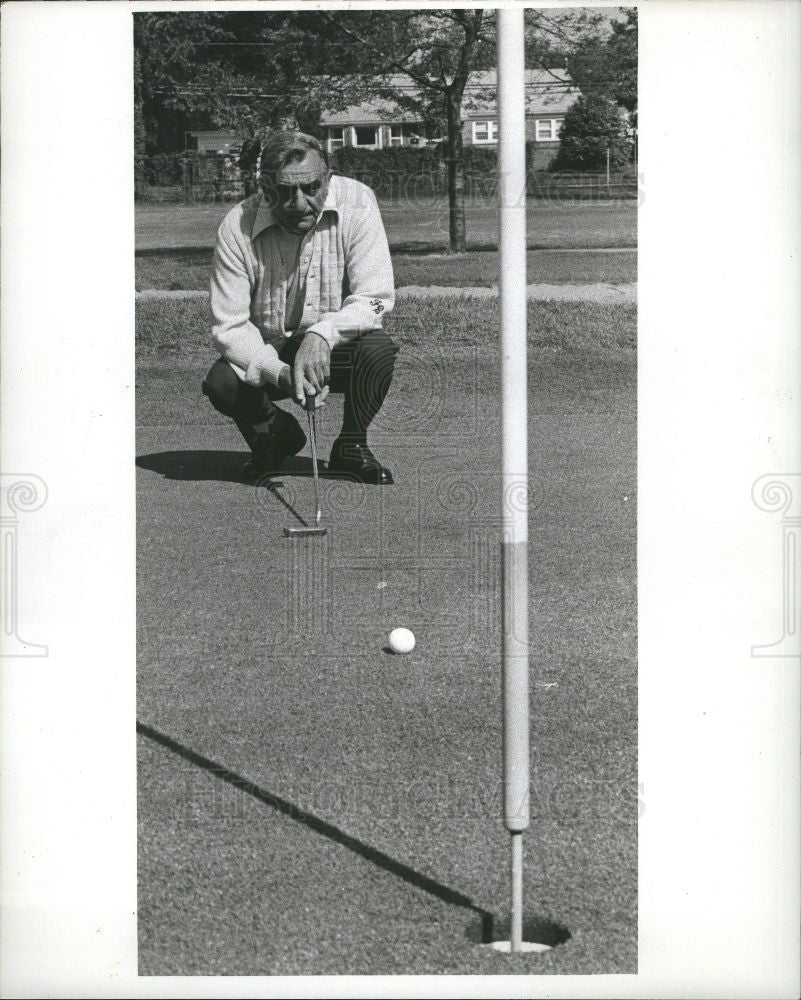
x=514, y=431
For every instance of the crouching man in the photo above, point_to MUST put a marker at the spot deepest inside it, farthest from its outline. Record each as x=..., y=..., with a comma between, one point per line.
x=300, y=283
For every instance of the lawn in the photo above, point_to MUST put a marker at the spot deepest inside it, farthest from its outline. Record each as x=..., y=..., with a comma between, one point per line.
x=308, y=803
x=420, y=224
x=189, y=269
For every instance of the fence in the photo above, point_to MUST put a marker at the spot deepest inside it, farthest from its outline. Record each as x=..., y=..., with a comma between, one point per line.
x=193, y=178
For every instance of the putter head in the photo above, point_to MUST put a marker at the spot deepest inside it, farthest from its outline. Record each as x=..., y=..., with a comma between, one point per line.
x=302, y=532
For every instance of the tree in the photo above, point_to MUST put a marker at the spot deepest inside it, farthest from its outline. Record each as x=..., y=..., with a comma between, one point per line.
x=177, y=74
x=553, y=36
x=435, y=50
x=599, y=50
x=244, y=70
x=606, y=65
x=140, y=134
x=594, y=126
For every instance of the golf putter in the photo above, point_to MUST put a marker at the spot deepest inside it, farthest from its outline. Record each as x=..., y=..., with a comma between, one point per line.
x=316, y=530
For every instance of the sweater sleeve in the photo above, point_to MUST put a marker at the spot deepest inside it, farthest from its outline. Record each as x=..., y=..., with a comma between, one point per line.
x=235, y=337
x=370, y=281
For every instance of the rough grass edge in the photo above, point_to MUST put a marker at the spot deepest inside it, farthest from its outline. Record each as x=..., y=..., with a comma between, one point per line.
x=179, y=328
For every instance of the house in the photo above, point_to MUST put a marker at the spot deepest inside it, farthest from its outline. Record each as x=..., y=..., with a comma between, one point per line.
x=379, y=123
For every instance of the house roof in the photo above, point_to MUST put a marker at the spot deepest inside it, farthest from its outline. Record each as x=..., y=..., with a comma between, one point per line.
x=547, y=92
x=370, y=112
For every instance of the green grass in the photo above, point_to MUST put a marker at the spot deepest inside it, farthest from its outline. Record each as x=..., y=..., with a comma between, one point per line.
x=190, y=269
x=399, y=754
x=179, y=328
x=480, y=268
x=421, y=224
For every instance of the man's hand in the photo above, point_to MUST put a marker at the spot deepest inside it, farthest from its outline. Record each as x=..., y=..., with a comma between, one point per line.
x=311, y=372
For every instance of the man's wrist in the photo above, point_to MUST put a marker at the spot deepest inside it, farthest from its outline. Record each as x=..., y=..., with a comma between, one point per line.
x=321, y=335
x=325, y=331
x=265, y=368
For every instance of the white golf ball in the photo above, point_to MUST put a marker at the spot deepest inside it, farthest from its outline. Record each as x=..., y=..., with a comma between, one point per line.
x=401, y=640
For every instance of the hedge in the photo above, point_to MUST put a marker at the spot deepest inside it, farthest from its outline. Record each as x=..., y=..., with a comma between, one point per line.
x=404, y=171
x=393, y=172
x=398, y=172
x=164, y=169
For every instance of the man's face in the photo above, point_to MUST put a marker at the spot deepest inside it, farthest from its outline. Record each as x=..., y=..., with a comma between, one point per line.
x=296, y=194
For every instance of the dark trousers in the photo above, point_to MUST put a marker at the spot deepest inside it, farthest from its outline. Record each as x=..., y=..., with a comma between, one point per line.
x=361, y=371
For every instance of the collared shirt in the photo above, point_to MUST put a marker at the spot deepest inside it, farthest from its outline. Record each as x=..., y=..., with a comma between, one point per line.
x=349, y=284
x=295, y=272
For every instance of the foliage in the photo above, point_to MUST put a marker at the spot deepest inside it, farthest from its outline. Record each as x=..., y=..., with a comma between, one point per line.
x=593, y=126
x=250, y=70
x=600, y=53
x=407, y=172
x=400, y=171
x=607, y=66
x=404, y=171
x=554, y=35
x=597, y=47
x=436, y=50
x=164, y=168
x=247, y=71
x=176, y=70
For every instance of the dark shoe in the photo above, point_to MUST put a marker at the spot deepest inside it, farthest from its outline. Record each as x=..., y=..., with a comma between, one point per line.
x=358, y=461
x=286, y=439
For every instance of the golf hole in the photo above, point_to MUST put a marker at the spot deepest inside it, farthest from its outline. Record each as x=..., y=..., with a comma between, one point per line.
x=539, y=935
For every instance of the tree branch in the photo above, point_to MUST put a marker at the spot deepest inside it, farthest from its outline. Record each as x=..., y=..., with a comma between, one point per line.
x=550, y=72
x=550, y=26
x=419, y=78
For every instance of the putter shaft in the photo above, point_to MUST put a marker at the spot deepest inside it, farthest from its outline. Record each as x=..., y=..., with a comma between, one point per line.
x=313, y=439
x=300, y=532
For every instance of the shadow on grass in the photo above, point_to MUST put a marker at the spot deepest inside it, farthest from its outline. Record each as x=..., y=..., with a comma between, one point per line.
x=482, y=933
x=222, y=466
x=535, y=929
x=226, y=467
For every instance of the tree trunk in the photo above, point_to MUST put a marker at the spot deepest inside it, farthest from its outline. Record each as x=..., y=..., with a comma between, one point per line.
x=139, y=130
x=458, y=236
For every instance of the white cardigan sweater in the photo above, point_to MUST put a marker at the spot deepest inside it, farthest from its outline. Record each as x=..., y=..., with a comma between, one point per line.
x=349, y=283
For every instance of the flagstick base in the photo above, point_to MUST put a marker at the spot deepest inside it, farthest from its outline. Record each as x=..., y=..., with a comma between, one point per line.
x=526, y=947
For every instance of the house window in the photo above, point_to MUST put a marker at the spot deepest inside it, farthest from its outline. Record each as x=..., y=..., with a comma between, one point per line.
x=485, y=132
x=396, y=135
x=336, y=139
x=366, y=135
x=548, y=129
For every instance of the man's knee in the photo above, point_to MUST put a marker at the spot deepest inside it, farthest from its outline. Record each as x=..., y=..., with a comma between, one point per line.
x=375, y=352
x=377, y=342
x=221, y=386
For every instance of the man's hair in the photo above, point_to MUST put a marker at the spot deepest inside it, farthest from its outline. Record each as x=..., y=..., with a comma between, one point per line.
x=281, y=148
